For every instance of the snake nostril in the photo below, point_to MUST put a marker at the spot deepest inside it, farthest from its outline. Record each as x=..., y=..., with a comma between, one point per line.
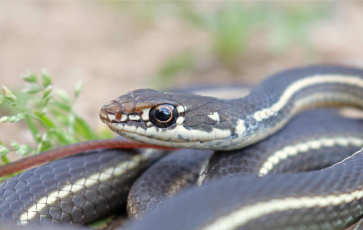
x=118, y=116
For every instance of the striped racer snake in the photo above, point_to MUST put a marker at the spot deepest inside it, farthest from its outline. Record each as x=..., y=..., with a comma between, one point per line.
x=326, y=199
x=191, y=121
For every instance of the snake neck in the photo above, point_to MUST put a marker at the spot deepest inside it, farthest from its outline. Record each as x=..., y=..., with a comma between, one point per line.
x=273, y=103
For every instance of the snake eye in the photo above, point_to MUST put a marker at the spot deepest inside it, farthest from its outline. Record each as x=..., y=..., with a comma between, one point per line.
x=163, y=115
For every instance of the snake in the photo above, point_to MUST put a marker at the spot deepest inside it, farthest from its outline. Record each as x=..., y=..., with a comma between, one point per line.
x=325, y=199
x=76, y=189
x=191, y=121
x=80, y=188
x=317, y=143
x=321, y=139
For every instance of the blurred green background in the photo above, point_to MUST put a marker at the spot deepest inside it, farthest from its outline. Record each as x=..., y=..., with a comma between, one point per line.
x=115, y=47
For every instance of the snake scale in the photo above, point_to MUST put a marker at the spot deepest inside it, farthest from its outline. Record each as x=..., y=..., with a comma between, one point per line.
x=326, y=199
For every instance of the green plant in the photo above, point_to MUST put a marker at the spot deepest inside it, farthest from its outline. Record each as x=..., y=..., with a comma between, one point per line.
x=48, y=114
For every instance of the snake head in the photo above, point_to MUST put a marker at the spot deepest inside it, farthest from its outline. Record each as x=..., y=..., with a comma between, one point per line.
x=169, y=119
x=143, y=108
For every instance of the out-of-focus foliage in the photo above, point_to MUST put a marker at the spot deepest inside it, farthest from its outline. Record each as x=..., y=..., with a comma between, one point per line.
x=176, y=64
x=232, y=26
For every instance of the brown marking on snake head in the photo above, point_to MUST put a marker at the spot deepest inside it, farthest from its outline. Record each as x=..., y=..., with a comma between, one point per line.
x=114, y=108
x=143, y=105
x=128, y=107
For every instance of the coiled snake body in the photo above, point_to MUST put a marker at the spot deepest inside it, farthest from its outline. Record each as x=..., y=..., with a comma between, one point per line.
x=328, y=199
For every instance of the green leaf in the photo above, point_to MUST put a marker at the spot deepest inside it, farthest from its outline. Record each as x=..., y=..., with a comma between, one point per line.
x=24, y=150
x=29, y=77
x=4, y=150
x=59, y=115
x=63, y=96
x=4, y=119
x=62, y=137
x=46, y=78
x=38, y=137
x=8, y=94
x=45, y=120
x=5, y=159
x=47, y=91
x=19, y=117
x=71, y=119
x=39, y=147
x=44, y=143
x=106, y=134
x=15, y=145
x=32, y=89
x=82, y=128
x=39, y=114
x=6, y=91
x=45, y=100
x=102, y=223
x=33, y=128
x=8, y=176
x=44, y=137
x=62, y=106
x=1, y=99
x=77, y=89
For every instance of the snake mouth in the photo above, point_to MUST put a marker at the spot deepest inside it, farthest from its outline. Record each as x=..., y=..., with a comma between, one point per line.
x=113, y=112
x=121, y=122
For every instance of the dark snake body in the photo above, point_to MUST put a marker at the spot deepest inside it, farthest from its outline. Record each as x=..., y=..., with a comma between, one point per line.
x=308, y=200
x=194, y=209
x=157, y=184
x=306, y=129
x=165, y=179
x=211, y=123
x=73, y=190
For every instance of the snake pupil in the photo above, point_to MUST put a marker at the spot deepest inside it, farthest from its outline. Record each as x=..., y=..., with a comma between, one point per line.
x=163, y=115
